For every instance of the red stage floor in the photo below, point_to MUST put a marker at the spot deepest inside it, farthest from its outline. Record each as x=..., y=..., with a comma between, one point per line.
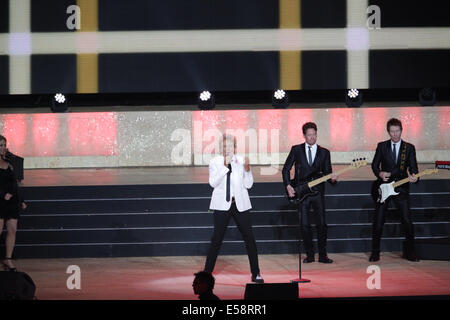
x=171, y=278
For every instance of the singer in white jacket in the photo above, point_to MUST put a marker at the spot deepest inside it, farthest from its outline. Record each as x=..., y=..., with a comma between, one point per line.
x=230, y=176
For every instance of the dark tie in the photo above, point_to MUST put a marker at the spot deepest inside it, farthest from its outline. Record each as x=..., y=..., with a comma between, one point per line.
x=394, y=154
x=228, y=182
x=309, y=156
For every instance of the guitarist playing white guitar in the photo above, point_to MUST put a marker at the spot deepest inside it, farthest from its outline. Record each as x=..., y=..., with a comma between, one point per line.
x=393, y=160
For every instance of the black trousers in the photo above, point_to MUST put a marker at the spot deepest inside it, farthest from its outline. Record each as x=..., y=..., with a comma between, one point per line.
x=243, y=222
x=317, y=202
x=401, y=201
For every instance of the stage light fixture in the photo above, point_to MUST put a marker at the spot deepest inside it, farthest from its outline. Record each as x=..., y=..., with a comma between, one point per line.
x=280, y=99
x=206, y=101
x=59, y=103
x=353, y=98
x=427, y=97
x=353, y=93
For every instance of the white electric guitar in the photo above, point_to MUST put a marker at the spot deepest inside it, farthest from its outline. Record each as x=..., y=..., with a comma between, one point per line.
x=388, y=189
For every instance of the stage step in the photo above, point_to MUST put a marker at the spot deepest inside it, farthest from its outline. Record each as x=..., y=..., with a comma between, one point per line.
x=161, y=220
x=432, y=249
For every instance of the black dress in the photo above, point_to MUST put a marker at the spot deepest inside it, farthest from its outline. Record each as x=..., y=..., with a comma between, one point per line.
x=9, y=209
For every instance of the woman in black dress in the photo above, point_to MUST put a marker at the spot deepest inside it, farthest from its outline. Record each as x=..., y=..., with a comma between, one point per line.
x=10, y=204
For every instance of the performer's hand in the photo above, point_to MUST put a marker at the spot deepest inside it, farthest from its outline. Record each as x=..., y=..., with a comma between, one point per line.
x=8, y=196
x=290, y=190
x=384, y=175
x=24, y=205
x=412, y=178
x=334, y=177
x=247, y=164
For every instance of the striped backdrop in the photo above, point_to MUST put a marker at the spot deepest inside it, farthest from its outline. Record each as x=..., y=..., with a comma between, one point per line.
x=221, y=45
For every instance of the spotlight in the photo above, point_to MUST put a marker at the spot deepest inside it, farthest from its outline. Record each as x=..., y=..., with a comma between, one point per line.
x=59, y=103
x=206, y=101
x=353, y=93
x=60, y=98
x=427, y=97
x=280, y=99
x=353, y=98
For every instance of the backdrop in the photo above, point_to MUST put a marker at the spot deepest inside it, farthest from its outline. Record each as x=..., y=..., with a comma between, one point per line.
x=90, y=46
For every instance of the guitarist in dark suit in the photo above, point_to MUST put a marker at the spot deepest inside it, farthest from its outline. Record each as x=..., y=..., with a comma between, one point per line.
x=391, y=161
x=311, y=162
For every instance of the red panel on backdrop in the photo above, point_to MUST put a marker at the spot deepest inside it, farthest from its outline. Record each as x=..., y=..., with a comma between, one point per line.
x=92, y=134
x=341, y=129
x=295, y=120
x=236, y=122
x=205, y=123
x=269, y=127
x=45, y=134
x=95, y=134
x=412, y=124
x=15, y=131
x=444, y=128
x=374, y=127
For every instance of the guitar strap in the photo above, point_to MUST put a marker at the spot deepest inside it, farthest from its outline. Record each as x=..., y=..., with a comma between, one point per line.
x=403, y=158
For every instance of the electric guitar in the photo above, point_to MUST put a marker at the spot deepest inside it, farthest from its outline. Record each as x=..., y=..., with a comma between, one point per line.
x=308, y=189
x=386, y=190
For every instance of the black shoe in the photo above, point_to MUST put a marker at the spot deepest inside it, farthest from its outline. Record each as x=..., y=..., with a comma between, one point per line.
x=325, y=259
x=374, y=257
x=308, y=259
x=257, y=279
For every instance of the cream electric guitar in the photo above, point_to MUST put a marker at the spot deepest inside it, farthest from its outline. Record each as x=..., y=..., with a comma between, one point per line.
x=386, y=190
x=307, y=189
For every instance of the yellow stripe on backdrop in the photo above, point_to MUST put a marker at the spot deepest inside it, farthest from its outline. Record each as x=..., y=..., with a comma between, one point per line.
x=290, y=61
x=87, y=64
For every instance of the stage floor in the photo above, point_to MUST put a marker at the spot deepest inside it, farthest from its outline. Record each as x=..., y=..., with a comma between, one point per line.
x=170, y=175
x=170, y=278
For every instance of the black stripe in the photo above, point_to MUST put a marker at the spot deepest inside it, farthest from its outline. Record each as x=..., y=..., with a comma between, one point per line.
x=187, y=15
x=409, y=68
x=165, y=72
x=54, y=73
x=324, y=13
x=4, y=74
x=4, y=16
x=407, y=13
x=324, y=69
x=50, y=15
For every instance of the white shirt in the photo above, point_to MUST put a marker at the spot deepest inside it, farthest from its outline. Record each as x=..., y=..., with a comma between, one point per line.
x=397, y=147
x=240, y=181
x=313, y=151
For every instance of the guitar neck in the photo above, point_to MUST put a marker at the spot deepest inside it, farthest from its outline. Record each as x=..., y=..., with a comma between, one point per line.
x=328, y=176
x=406, y=180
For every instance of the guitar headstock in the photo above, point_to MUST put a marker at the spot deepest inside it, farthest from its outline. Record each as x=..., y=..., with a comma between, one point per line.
x=430, y=171
x=358, y=163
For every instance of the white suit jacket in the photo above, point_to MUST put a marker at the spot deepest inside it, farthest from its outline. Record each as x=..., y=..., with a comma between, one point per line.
x=240, y=179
